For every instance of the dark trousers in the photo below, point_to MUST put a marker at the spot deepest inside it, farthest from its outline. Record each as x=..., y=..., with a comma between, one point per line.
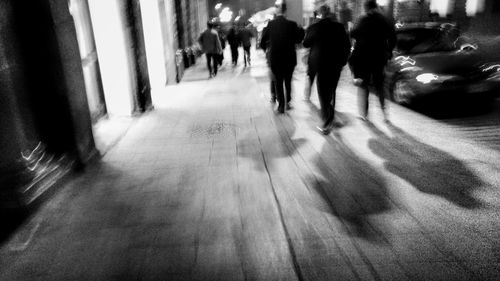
x=246, y=54
x=327, y=82
x=212, y=63
x=234, y=54
x=373, y=76
x=283, y=76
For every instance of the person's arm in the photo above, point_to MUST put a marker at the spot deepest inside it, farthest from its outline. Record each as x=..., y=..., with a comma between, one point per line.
x=345, y=43
x=299, y=35
x=218, y=44
x=309, y=37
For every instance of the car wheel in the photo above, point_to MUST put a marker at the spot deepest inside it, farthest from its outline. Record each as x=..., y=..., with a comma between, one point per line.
x=400, y=92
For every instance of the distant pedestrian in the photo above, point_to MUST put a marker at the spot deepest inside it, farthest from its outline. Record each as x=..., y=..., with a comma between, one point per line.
x=222, y=38
x=281, y=37
x=210, y=44
x=345, y=15
x=234, y=42
x=329, y=49
x=246, y=35
x=375, y=39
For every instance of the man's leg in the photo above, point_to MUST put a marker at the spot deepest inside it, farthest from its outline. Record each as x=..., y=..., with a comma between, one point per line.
x=272, y=86
x=288, y=85
x=248, y=54
x=214, y=60
x=378, y=82
x=326, y=87
x=209, y=64
x=280, y=95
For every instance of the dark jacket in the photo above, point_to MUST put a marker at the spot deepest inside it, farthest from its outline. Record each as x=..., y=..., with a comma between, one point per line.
x=375, y=39
x=329, y=45
x=281, y=36
x=232, y=37
x=245, y=35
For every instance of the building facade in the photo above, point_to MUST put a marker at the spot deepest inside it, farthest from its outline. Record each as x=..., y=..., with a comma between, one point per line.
x=64, y=65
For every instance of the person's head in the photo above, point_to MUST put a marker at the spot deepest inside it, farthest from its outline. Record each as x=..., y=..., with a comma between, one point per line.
x=371, y=5
x=324, y=11
x=281, y=8
x=343, y=5
x=210, y=25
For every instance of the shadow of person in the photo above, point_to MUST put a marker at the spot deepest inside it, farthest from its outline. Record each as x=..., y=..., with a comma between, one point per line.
x=353, y=190
x=268, y=137
x=427, y=168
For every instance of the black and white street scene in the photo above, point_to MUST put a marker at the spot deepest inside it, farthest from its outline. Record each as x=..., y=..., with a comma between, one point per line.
x=250, y=140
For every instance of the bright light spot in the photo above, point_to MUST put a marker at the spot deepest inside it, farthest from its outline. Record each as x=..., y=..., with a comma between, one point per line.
x=237, y=18
x=226, y=15
x=442, y=7
x=427, y=78
x=218, y=6
x=278, y=2
x=383, y=2
x=474, y=7
x=114, y=57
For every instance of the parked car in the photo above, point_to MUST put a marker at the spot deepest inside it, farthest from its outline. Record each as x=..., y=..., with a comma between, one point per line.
x=434, y=60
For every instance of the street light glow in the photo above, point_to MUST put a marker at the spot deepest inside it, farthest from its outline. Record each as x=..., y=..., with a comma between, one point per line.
x=218, y=6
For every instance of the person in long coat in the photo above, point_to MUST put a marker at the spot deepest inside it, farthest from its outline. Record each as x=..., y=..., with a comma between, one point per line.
x=210, y=44
x=281, y=37
x=375, y=39
x=329, y=49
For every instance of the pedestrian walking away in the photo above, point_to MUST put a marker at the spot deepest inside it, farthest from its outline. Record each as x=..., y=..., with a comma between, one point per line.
x=211, y=46
x=375, y=39
x=272, y=80
x=234, y=42
x=281, y=37
x=246, y=35
x=329, y=50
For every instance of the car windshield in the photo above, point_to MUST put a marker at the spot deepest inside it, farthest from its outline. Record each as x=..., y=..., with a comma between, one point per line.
x=425, y=40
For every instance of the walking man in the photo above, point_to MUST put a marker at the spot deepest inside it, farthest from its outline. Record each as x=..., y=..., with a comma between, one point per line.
x=210, y=44
x=375, y=39
x=281, y=37
x=246, y=35
x=234, y=42
x=329, y=49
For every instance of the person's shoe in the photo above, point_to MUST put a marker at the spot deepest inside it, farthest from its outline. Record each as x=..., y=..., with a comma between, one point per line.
x=357, y=82
x=363, y=118
x=280, y=110
x=324, y=130
x=288, y=106
x=273, y=100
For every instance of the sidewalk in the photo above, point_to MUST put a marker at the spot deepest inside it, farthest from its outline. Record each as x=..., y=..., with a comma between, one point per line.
x=212, y=185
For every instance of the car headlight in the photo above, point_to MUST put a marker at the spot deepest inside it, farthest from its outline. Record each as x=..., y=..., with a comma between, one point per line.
x=427, y=78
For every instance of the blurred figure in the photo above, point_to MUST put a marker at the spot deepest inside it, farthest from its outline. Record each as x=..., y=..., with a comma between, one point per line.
x=210, y=44
x=222, y=38
x=375, y=39
x=345, y=15
x=272, y=80
x=281, y=36
x=246, y=35
x=329, y=49
x=234, y=42
x=310, y=75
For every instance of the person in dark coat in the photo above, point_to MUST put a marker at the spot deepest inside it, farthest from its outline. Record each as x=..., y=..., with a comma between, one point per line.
x=375, y=39
x=246, y=36
x=234, y=42
x=210, y=44
x=281, y=37
x=329, y=49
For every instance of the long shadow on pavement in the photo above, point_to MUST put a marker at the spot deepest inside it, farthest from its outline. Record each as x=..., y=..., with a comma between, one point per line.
x=427, y=168
x=352, y=188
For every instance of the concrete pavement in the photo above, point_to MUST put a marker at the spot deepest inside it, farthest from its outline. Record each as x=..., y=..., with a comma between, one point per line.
x=213, y=185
